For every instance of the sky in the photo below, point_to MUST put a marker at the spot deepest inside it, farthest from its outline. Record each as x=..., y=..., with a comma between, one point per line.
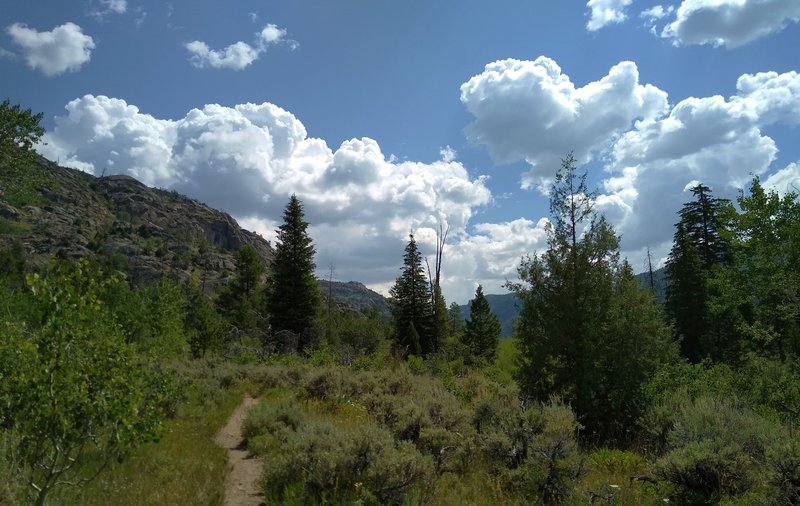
x=387, y=117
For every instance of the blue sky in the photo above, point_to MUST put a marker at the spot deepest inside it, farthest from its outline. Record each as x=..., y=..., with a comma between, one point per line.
x=389, y=116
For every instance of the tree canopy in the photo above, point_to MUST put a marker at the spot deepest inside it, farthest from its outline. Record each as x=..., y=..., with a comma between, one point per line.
x=482, y=330
x=293, y=296
x=587, y=332
x=412, y=311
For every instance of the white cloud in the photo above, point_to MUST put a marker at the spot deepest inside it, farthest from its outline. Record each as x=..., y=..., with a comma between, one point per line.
x=101, y=8
x=249, y=158
x=786, y=180
x=448, y=154
x=236, y=56
x=605, y=12
x=6, y=54
x=530, y=110
x=654, y=14
x=713, y=140
x=729, y=23
x=239, y=54
x=64, y=48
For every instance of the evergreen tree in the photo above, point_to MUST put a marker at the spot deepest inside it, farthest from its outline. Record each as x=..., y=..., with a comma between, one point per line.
x=293, y=297
x=441, y=318
x=412, y=311
x=239, y=301
x=202, y=324
x=482, y=331
x=584, y=324
x=456, y=318
x=697, y=247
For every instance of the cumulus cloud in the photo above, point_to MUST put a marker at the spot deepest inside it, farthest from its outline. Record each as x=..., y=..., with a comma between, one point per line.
x=605, y=12
x=532, y=111
x=239, y=54
x=714, y=140
x=786, y=180
x=64, y=48
x=249, y=158
x=650, y=150
x=729, y=23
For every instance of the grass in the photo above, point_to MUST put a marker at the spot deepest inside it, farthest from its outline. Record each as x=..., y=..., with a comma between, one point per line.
x=184, y=467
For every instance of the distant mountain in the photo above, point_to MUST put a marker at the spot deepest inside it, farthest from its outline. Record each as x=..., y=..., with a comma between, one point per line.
x=145, y=232
x=506, y=308
x=357, y=296
x=659, y=283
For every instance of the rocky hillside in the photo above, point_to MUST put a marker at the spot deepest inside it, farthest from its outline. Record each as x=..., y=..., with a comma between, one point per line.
x=118, y=220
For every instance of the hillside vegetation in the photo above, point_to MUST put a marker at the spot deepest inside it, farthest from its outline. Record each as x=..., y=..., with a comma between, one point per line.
x=133, y=321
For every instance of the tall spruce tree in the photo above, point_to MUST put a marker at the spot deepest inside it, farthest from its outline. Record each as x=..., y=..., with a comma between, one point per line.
x=482, y=330
x=697, y=247
x=293, y=296
x=412, y=311
x=586, y=331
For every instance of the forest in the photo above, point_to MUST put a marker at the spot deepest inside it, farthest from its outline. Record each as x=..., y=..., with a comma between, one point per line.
x=113, y=387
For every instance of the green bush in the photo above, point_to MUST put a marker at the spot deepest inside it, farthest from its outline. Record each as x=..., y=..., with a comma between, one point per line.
x=715, y=448
x=320, y=461
x=534, y=450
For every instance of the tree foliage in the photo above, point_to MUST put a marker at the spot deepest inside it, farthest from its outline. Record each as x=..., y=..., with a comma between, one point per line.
x=70, y=385
x=482, y=330
x=19, y=132
x=412, y=312
x=755, y=299
x=586, y=331
x=293, y=296
x=697, y=247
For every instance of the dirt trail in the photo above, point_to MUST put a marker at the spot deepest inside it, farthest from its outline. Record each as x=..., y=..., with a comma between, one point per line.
x=240, y=485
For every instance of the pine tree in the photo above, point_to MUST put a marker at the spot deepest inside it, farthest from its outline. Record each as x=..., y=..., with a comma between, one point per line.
x=456, y=318
x=293, y=296
x=697, y=247
x=579, y=328
x=239, y=301
x=482, y=330
x=412, y=311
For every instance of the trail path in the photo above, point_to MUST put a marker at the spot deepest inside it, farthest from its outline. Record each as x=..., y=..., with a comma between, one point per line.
x=240, y=485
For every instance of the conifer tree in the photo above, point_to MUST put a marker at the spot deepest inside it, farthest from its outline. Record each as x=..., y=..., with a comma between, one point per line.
x=456, y=318
x=412, y=311
x=239, y=301
x=697, y=247
x=586, y=331
x=293, y=296
x=482, y=330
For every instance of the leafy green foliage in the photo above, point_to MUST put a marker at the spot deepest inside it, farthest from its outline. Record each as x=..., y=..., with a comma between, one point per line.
x=202, y=325
x=755, y=300
x=482, y=330
x=412, y=311
x=718, y=448
x=321, y=460
x=587, y=331
x=293, y=296
x=20, y=177
x=69, y=383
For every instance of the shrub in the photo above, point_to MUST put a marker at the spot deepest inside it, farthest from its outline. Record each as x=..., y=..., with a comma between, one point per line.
x=534, y=450
x=714, y=448
x=323, y=462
